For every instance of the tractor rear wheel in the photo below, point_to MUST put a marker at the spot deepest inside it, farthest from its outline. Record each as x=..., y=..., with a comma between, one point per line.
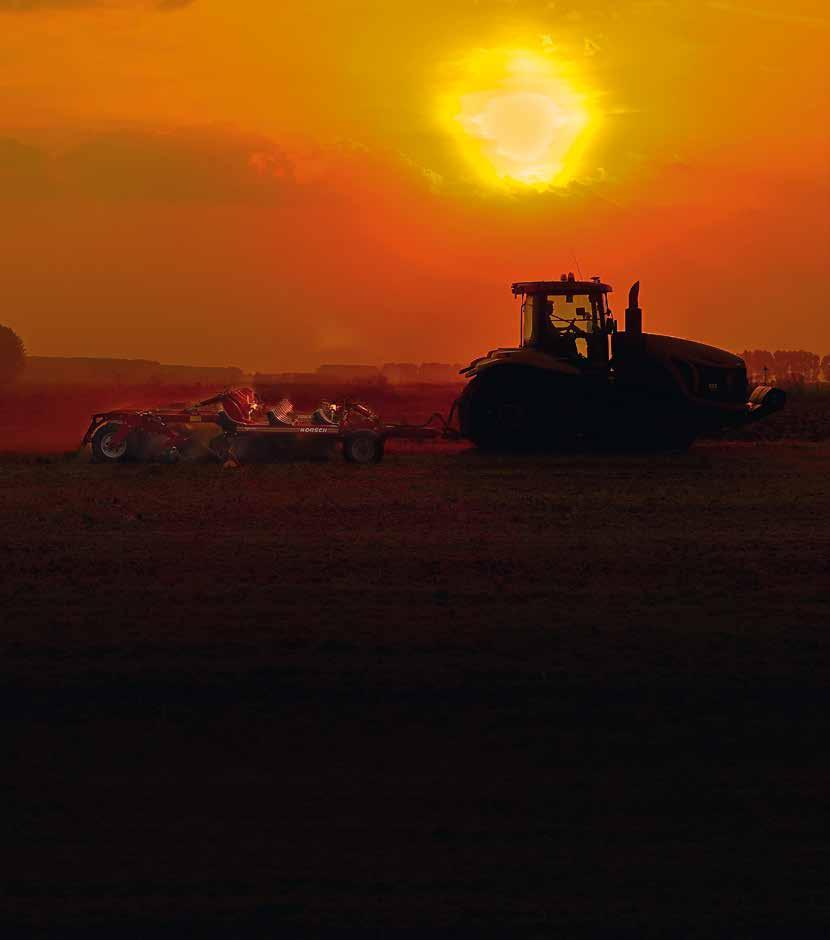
x=103, y=448
x=518, y=409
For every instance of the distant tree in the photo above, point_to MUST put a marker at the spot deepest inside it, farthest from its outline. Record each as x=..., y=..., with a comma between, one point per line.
x=784, y=363
x=797, y=362
x=825, y=367
x=757, y=360
x=12, y=355
x=812, y=366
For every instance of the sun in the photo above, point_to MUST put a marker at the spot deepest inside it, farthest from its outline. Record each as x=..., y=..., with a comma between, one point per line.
x=517, y=118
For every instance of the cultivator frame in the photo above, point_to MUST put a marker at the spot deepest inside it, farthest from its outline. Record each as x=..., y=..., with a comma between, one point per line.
x=117, y=435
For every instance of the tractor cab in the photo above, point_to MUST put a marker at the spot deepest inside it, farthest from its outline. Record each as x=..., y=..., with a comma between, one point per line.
x=566, y=318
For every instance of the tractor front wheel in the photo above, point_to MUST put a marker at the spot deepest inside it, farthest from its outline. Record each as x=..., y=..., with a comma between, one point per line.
x=648, y=425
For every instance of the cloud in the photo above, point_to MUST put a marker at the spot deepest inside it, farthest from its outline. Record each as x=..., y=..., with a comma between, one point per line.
x=24, y=170
x=775, y=14
x=208, y=166
x=32, y=6
x=35, y=6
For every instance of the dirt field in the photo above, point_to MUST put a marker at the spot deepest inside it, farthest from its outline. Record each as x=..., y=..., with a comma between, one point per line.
x=450, y=690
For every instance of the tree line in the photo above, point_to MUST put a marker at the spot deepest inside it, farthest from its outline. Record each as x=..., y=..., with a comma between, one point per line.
x=12, y=355
x=787, y=365
x=783, y=366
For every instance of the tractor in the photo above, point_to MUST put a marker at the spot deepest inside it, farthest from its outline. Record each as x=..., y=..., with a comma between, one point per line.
x=576, y=380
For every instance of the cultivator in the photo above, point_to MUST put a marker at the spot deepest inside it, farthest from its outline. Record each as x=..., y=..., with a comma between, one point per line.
x=247, y=428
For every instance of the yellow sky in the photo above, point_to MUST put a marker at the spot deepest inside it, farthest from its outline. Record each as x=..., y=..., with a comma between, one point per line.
x=273, y=184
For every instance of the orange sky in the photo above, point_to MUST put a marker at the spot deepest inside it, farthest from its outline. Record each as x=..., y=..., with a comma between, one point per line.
x=274, y=185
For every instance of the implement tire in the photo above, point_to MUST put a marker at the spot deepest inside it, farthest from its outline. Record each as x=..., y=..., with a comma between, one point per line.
x=363, y=447
x=103, y=450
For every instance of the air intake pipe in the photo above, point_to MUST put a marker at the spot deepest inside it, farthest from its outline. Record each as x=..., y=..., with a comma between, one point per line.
x=633, y=313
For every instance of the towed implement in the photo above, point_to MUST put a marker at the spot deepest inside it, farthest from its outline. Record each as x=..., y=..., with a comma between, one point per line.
x=575, y=379
x=246, y=428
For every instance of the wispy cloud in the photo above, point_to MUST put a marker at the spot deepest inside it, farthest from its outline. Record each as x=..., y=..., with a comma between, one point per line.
x=778, y=14
x=36, y=6
x=171, y=166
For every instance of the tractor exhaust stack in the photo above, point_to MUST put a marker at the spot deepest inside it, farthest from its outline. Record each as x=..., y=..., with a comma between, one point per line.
x=633, y=313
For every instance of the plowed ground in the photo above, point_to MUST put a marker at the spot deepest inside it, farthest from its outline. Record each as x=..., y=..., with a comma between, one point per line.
x=450, y=690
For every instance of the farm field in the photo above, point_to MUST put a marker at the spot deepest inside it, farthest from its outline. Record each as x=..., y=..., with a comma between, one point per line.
x=450, y=690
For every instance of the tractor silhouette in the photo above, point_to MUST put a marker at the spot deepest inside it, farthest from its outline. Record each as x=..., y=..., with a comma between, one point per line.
x=576, y=380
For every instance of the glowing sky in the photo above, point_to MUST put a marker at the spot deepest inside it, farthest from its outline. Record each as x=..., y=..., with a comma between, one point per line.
x=277, y=184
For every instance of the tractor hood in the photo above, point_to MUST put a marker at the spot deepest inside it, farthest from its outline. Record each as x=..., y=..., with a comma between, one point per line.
x=514, y=356
x=671, y=347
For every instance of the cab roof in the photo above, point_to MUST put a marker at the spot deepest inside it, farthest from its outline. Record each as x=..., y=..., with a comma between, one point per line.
x=565, y=285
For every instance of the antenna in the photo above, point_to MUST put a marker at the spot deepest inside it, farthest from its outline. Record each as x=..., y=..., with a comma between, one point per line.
x=573, y=255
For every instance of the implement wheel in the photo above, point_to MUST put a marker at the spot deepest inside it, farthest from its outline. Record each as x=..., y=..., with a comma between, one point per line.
x=363, y=447
x=103, y=449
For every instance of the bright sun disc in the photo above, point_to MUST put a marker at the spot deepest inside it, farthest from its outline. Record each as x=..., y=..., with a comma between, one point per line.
x=517, y=119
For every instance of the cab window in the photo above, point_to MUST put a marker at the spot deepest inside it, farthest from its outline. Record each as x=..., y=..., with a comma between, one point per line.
x=527, y=318
x=571, y=308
